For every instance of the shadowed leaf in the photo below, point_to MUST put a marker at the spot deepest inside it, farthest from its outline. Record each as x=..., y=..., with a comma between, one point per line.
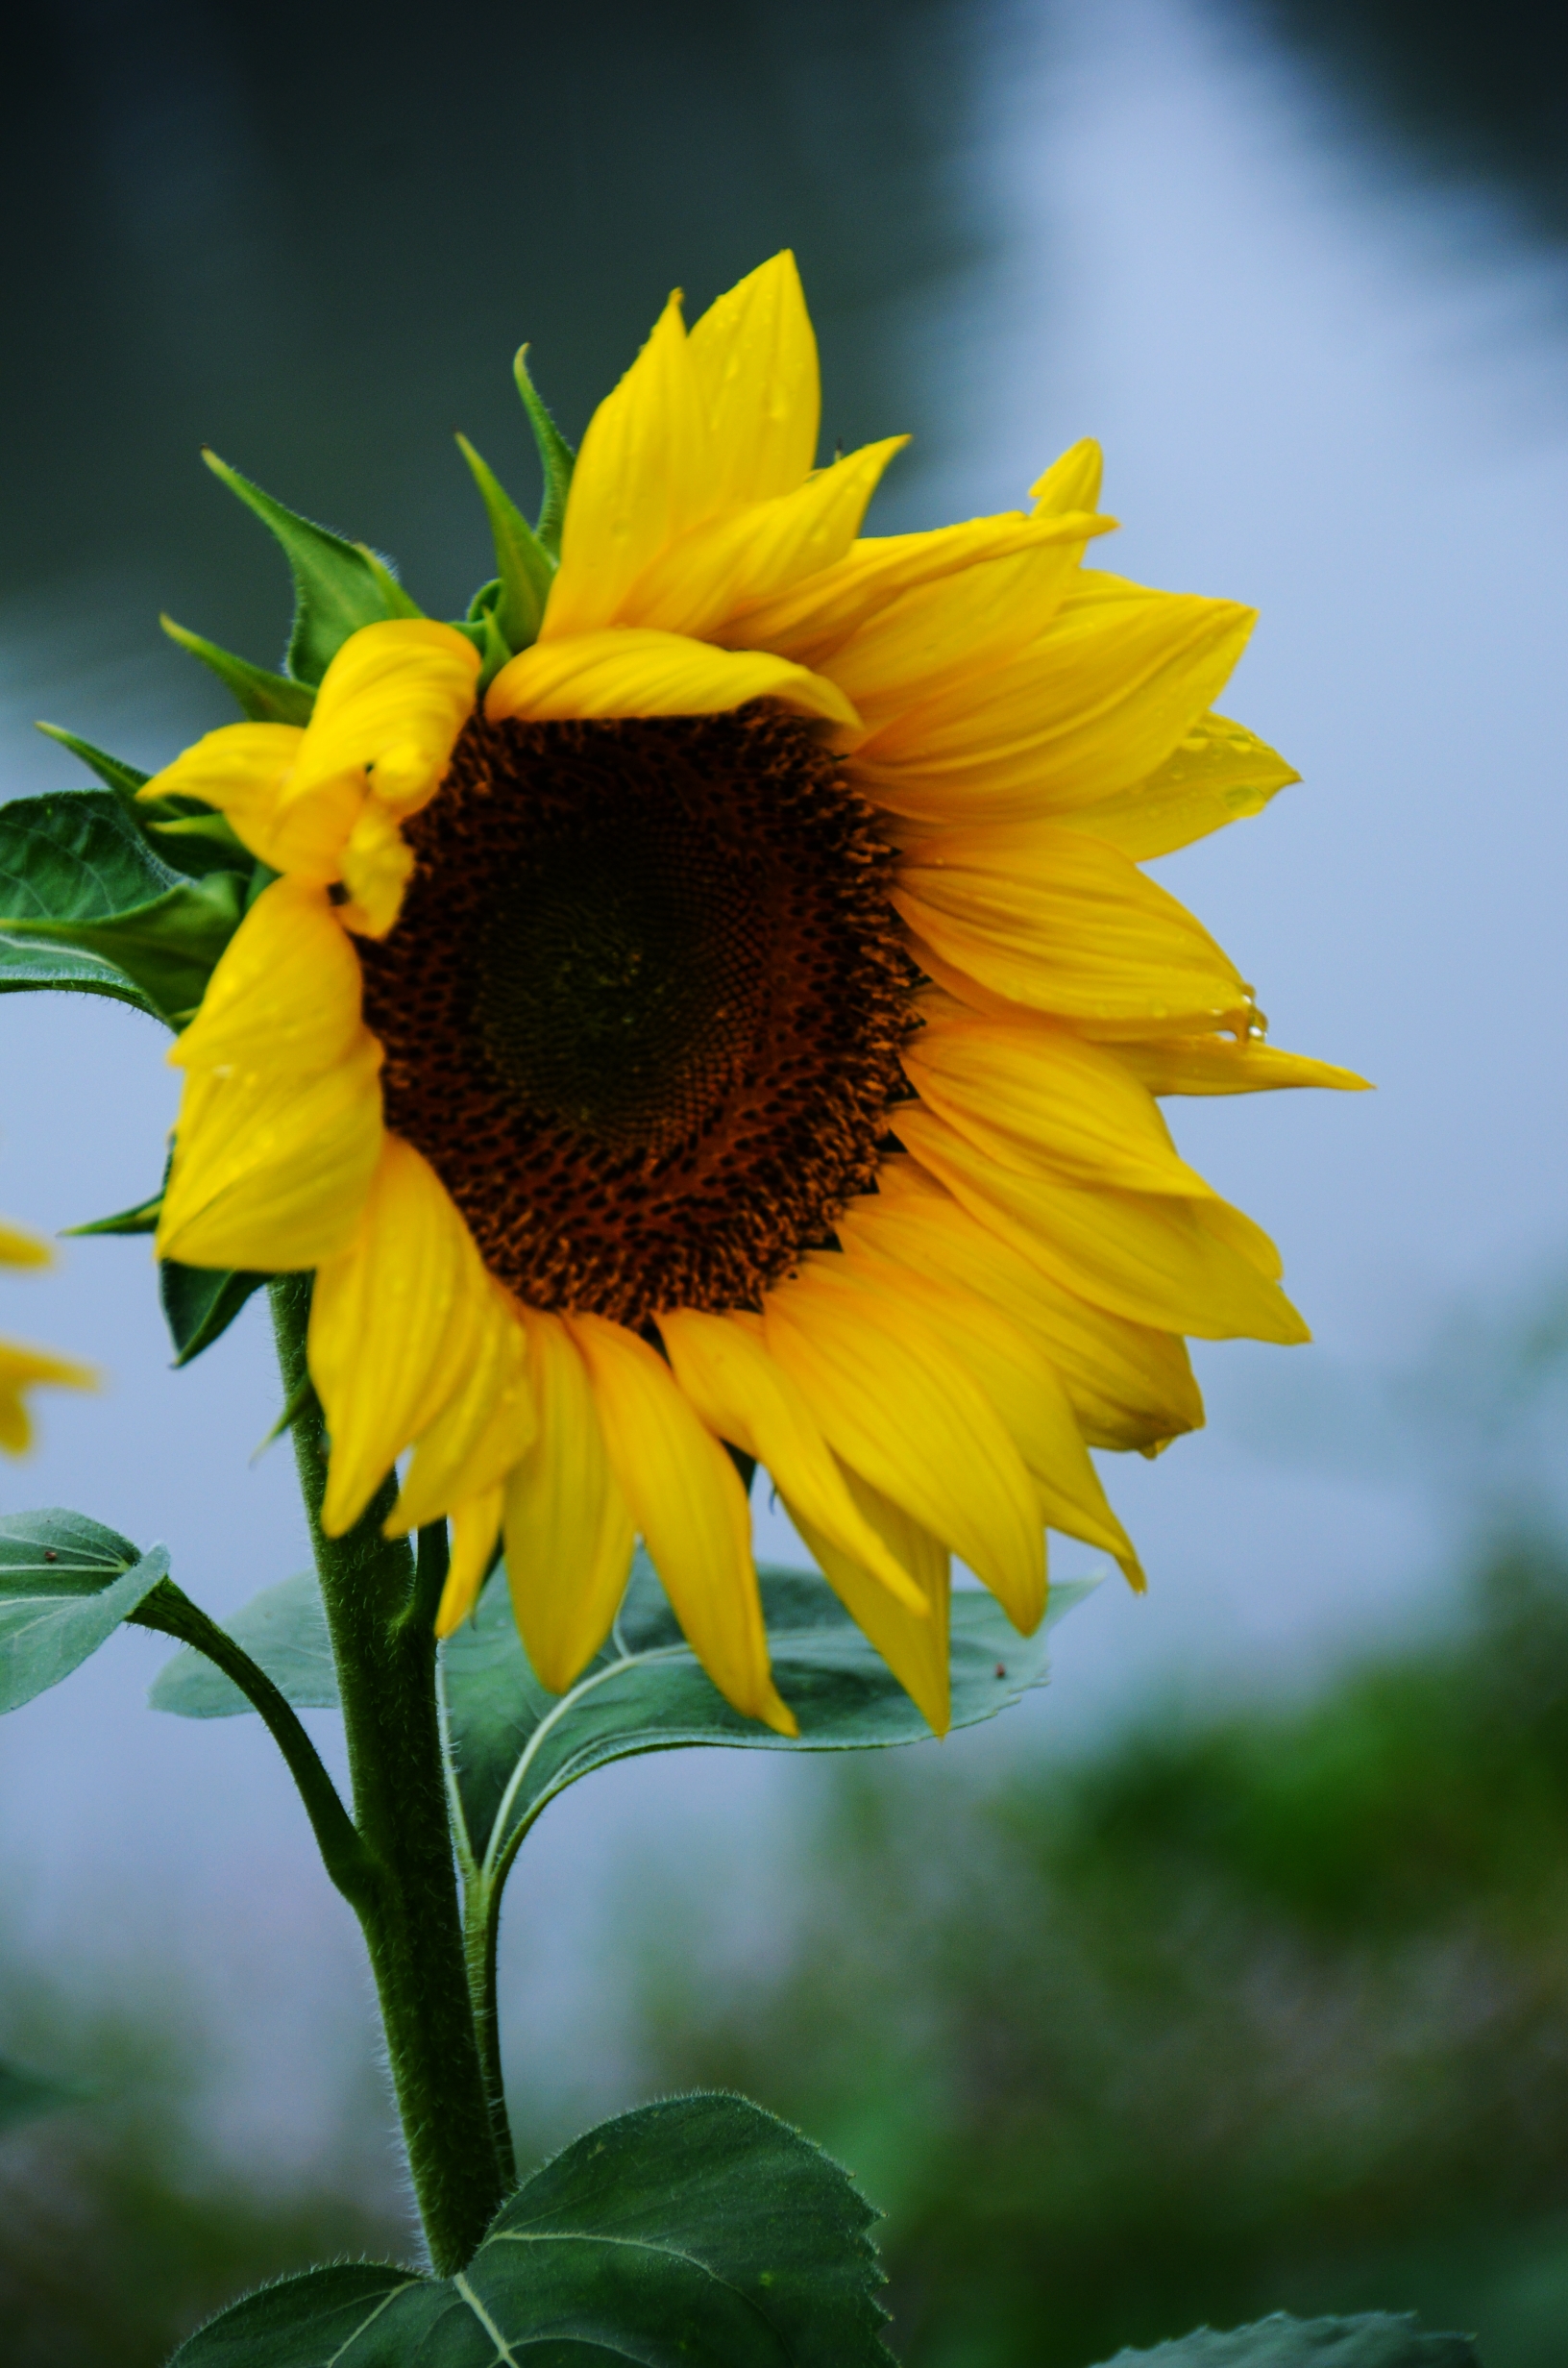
x=65, y=1585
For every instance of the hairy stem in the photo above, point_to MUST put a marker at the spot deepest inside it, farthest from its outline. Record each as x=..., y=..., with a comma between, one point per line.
x=380, y=1612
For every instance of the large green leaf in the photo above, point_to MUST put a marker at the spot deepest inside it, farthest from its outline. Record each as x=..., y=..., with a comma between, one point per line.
x=187, y=834
x=283, y=1629
x=1374, y=2341
x=517, y=1746
x=78, y=877
x=338, y=585
x=65, y=1585
x=695, y=2234
x=24, y=2096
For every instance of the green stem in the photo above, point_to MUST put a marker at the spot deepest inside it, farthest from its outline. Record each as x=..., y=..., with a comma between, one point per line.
x=380, y=1612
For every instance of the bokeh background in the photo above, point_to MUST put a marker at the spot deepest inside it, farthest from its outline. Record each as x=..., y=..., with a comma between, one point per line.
x=1231, y=1971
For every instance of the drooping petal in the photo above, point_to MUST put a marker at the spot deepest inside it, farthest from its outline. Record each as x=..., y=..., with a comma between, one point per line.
x=913, y=1644
x=1158, y=1261
x=483, y=1431
x=645, y=475
x=815, y=618
x=747, y=555
x=1131, y=1386
x=1061, y=923
x=903, y=1411
x=686, y=1498
x=1226, y=1065
x=633, y=671
x=1218, y=773
x=377, y=865
x=389, y=711
x=476, y=1527
x=569, y=1532
x=395, y=1319
x=1086, y=708
x=753, y=353
x=1025, y=1090
x=271, y=1168
x=744, y=1395
x=286, y=992
x=241, y=770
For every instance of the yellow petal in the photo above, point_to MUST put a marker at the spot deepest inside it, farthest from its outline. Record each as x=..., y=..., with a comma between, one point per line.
x=1220, y=773
x=568, y=1534
x=950, y=640
x=1222, y=1065
x=630, y=670
x=815, y=618
x=24, y=1369
x=1156, y=1260
x=377, y=865
x=1061, y=923
x=1024, y=1388
x=241, y=770
x=484, y=1429
x=903, y=1411
x=913, y=1644
x=1087, y=708
x=1025, y=1090
x=476, y=1527
x=395, y=1321
x=744, y=1396
x=1070, y=484
x=271, y=1172
x=390, y=708
x=23, y=1250
x=754, y=359
x=1130, y=1386
x=698, y=584
x=686, y=1497
x=285, y=994
x=645, y=475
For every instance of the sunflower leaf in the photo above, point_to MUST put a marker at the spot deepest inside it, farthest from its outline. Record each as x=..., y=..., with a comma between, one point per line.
x=283, y=1629
x=65, y=1585
x=1375, y=2340
x=264, y=697
x=698, y=2229
x=526, y=568
x=77, y=878
x=200, y=1303
x=556, y=457
x=182, y=831
x=516, y=1747
x=338, y=585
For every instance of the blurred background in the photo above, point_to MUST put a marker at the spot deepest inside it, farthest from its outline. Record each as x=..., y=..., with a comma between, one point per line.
x=1229, y=1972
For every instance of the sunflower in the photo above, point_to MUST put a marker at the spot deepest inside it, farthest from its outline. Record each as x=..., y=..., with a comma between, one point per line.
x=737, y=1032
x=22, y=1368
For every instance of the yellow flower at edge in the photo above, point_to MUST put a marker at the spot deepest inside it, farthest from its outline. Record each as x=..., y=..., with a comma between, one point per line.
x=743, y=1028
x=23, y=1369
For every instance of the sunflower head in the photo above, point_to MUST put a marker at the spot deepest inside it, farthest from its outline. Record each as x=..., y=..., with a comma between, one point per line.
x=708, y=1008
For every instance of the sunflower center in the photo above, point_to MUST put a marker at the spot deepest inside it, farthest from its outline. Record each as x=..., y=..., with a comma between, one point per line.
x=643, y=1006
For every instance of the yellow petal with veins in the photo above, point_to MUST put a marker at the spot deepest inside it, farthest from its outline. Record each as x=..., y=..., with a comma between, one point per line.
x=271, y=1168
x=1223, y=1065
x=753, y=353
x=389, y=711
x=241, y=770
x=483, y=1431
x=686, y=1497
x=475, y=1527
x=914, y=1647
x=1218, y=773
x=286, y=994
x=569, y=1535
x=744, y=1396
x=632, y=671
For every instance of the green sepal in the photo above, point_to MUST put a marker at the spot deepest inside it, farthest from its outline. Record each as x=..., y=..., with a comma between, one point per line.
x=200, y=1303
x=697, y=2230
x=338, y=585
x=480, y=626
x=556, y=457
x=526, y=567
x=190, y=837
x=76, y=872
x=143, y=1218
x=65, y=1585
x=264, y=697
